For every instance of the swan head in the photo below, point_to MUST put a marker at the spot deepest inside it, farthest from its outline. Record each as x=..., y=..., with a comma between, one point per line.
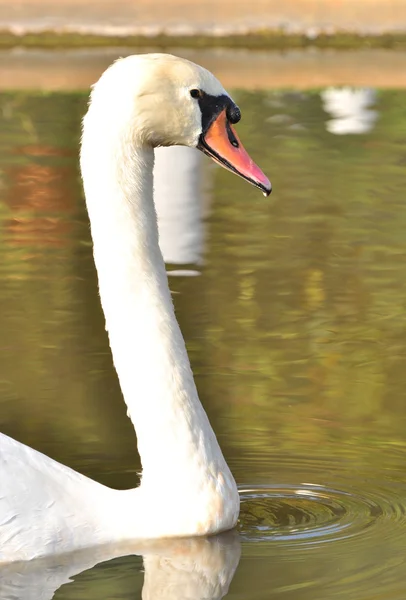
x=162, y=100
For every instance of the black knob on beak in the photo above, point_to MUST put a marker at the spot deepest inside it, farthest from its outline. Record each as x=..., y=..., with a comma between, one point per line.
x=233, y=113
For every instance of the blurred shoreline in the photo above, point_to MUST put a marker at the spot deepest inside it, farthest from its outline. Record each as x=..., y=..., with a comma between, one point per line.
x=263, y=23
x=75, y=70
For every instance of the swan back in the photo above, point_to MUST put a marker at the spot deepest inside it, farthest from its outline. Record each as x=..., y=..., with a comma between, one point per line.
x=38, y=497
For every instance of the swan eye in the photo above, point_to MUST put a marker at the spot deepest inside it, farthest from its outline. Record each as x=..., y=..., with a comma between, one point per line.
x=196, y=93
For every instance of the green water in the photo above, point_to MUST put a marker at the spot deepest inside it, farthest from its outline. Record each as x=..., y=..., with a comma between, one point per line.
x=296, y=330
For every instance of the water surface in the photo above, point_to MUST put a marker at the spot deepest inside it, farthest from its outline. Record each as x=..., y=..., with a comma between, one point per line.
x=295, y=323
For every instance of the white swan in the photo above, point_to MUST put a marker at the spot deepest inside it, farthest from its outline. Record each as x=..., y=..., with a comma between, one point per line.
x=187, y=489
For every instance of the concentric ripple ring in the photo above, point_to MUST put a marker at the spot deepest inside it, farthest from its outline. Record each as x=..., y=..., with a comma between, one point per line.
x=310, y=513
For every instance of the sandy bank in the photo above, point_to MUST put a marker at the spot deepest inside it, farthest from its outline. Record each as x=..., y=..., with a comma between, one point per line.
x=78, y=69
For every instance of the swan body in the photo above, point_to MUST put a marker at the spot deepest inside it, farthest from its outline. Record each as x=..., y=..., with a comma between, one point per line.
x=186, y=489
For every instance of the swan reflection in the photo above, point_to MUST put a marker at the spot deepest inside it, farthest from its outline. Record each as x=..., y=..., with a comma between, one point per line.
x=180, y=204
x=351, y=110
x=176, y=569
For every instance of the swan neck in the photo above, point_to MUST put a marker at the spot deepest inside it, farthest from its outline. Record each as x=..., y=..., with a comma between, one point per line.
x=173, y=432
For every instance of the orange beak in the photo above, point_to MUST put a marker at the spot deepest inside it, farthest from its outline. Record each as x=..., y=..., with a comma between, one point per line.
x=222, y=144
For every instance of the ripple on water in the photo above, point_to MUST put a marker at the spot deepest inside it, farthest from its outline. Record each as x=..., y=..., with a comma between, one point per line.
x=335, y=539
x=312, y=514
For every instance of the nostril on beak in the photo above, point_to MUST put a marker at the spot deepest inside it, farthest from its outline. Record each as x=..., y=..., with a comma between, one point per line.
x=233, y=114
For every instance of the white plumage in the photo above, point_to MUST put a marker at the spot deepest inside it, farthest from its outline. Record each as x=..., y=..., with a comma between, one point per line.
x=186, y=488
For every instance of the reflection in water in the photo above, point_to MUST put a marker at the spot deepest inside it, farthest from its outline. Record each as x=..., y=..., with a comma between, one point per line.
x=177, y=569
x=179, y=198
x=40, y=198
x=296, y=330
x=350, y=109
